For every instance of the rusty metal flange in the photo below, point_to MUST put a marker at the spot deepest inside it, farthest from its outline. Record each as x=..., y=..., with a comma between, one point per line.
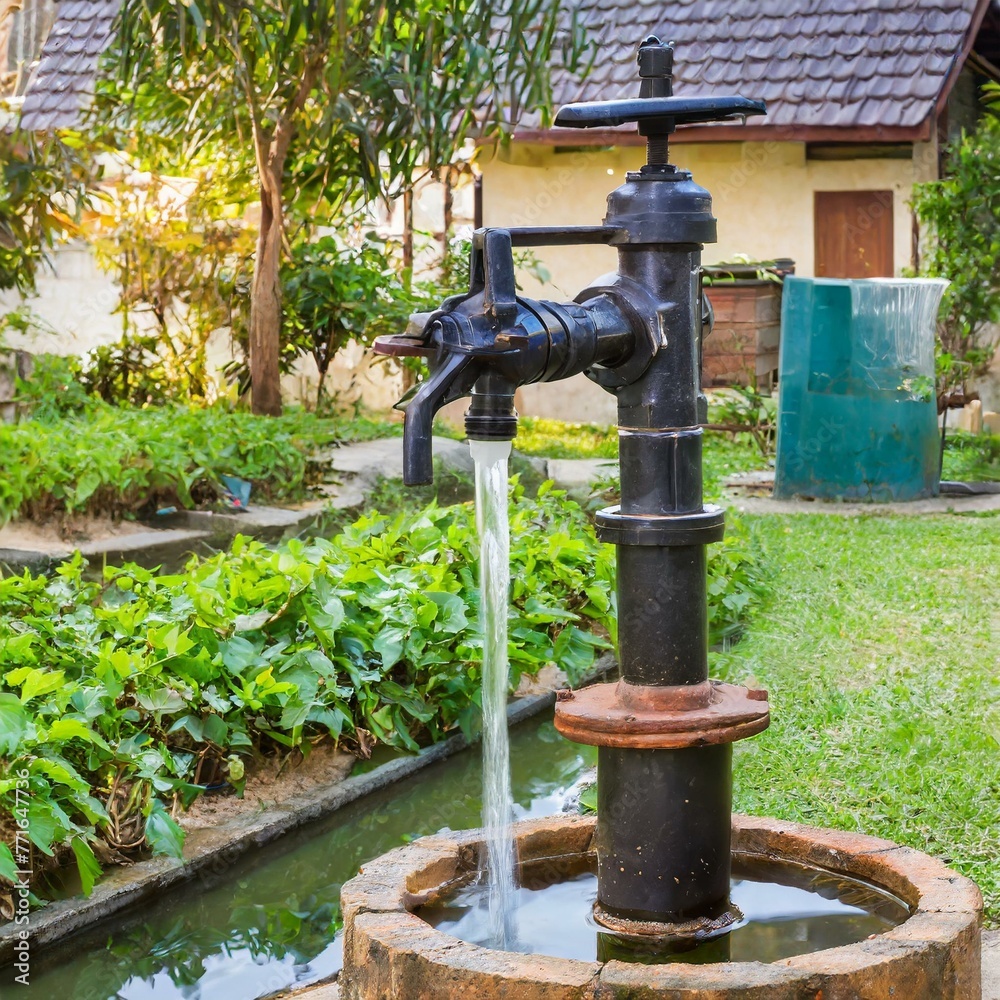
x=661, y=718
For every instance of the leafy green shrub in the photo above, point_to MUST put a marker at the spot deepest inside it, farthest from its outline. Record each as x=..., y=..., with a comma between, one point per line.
x=737, y=578
x=54, y=388
x=114, y=461
x=334, y=294
x=132, y=372
x=961, y=217
x=119, y=696
x=743, y=409
x=972, y=457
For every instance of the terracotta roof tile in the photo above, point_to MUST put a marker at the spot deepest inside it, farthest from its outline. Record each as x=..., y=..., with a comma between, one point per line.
x=816, y=62
x=63, y=81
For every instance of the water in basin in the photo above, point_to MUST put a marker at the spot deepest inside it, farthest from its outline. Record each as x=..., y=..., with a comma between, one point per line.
x=786, y=909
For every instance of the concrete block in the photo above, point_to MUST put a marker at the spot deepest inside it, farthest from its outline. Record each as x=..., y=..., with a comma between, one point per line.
x=970, y=418
x=270, y=524
x=572, y=473
x=991, y=965
x=368, y=460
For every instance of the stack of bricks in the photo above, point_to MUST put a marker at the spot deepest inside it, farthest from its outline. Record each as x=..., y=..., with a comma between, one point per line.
x=742, y=348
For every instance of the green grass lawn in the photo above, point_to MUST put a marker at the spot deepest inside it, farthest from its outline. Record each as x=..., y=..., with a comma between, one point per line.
x=880, y=646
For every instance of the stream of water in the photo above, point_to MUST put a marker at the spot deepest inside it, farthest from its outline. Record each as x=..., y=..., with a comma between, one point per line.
x=493, y=521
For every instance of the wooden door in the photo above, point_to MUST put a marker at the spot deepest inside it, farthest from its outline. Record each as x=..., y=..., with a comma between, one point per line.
x=853, y=234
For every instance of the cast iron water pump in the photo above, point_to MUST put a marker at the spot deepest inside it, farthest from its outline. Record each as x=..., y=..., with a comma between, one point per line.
x=664, y=731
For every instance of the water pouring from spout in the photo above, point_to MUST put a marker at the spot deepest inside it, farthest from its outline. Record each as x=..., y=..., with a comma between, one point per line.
x=494, y=581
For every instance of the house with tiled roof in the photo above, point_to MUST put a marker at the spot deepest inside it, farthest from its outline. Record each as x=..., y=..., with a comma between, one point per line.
x=62, y=81
x=861, y=99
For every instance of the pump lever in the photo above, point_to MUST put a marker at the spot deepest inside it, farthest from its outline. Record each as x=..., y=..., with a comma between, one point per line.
x=670, y=111
x=499, y=285
x=656, y=110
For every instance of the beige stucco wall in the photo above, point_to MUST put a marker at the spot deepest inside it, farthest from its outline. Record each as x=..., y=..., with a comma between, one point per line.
x=763, y=199
x=76, y=304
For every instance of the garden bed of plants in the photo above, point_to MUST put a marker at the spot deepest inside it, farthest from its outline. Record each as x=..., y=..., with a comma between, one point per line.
x=127, y=462
x=122, y=699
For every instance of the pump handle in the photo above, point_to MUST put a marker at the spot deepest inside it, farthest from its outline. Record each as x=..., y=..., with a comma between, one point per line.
x=656, y=110
x=669, y=111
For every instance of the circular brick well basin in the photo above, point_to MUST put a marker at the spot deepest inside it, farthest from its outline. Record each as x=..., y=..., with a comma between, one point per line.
x=391, y=953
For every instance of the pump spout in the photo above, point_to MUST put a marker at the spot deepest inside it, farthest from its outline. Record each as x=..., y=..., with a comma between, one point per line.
x=487, y=343
x=418, y=416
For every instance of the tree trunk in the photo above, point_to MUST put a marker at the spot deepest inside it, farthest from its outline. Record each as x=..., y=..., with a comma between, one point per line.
x=449, y=209
x=408, y=234
x=8, y=8
x=271, y=150
x=265, y=304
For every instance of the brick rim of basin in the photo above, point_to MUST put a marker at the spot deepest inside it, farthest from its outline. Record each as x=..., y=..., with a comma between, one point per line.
x=390, y=951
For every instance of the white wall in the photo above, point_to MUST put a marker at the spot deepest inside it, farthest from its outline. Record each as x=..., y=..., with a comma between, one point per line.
x=75, y=299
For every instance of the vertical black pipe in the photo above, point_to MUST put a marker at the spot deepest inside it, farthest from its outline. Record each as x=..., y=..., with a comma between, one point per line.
x=663, y=854
x=664, y=815
x=662, y=614
x=662, y=599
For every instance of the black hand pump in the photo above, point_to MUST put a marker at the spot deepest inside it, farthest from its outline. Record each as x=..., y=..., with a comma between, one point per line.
x=664, y=731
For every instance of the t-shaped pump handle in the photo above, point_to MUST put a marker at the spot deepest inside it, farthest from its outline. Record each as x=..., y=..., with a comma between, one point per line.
x=656, y=111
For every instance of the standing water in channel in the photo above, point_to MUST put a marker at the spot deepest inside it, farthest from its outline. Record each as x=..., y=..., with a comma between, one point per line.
x=494, y=587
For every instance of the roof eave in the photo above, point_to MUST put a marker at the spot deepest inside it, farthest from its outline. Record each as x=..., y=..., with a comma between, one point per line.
x=733, y=133
x=962, y=56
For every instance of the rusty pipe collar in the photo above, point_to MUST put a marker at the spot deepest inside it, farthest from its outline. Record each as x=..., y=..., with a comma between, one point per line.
x=662, y=718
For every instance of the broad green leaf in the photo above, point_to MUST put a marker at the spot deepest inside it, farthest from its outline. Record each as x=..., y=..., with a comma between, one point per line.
x=13, y=722
x=68, y=729
x=216, y=730
x=130, y=746
x=389, y=645
x=161, y=700
x=451, y=614
x=87, y=864
x=192, y=725
x=251, y=622
x=294, y=715
x=238, y=653
x=163, y=834
x=41, y=682
x=8, y=867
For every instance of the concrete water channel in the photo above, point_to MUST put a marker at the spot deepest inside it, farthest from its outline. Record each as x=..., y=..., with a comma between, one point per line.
x=271, y=921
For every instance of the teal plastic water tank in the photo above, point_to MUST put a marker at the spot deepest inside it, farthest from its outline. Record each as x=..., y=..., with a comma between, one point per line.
x=857, y=418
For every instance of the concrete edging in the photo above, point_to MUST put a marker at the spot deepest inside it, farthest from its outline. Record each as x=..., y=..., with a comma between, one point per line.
x=209, y=852
x=390, y=951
